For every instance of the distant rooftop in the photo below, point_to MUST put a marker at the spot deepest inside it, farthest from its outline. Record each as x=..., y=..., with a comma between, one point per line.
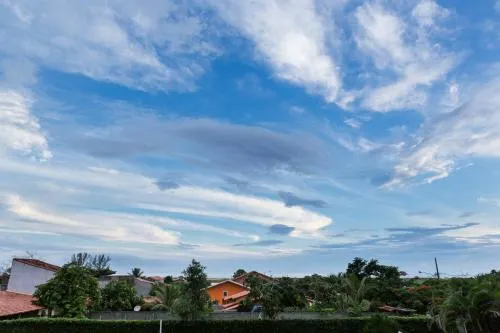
x=38, y=263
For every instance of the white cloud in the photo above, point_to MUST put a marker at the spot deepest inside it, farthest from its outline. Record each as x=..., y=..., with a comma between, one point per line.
x=247, y=209
x=19, y=129
x=150, y=47
x=469, y=131
x=107, y=227
x=354, y=123
x=292, y=37
x=402, y=50
x=497, y=6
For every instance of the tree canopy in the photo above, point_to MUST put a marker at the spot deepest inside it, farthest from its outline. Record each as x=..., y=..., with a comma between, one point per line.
x=119, y=296
x=70, y=293
x=98, y=265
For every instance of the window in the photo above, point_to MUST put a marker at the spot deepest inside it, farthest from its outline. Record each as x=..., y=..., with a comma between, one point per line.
x=225, y=293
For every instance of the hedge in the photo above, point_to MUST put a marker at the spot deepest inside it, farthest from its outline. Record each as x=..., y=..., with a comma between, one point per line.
x=345, y=325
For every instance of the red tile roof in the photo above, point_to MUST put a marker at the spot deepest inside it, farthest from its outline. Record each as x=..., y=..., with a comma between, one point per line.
x=237, y=295
x=13, y=303
x=39, y=264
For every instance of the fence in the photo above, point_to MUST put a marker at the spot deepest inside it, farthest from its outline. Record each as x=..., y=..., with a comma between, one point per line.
x=161, y=315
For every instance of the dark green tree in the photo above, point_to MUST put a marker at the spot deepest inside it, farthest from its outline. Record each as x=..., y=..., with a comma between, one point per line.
x=168, y=279
x=70, y=293
x=167, y=293
x=119, y=296
x=195, y=300
x=98, y=265
x=271, y=300
x=239, y=272
x=136, y=272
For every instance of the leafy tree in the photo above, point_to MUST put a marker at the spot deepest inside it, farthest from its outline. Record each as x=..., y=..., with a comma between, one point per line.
x=291, y=295
x=98, y=265
x=119, y=296
x=81, y=259
x=168, y=279
x=473, y=309
x=167, y=294
x=271, y=300
x=239, y=272
x=195, y=299
x=256, y=288
x=136, y=272
x=352, y=300
x=380, y=324
x=71, y=292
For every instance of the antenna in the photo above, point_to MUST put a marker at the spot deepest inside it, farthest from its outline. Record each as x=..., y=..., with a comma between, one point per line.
x=437, y=268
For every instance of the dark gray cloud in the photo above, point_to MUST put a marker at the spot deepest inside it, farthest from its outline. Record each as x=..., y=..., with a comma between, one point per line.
x=166, y=184
x=211, y=143
x=420, y=213
x=281, y=229
x=417, y=233
x=465, y=215
x=430, y=238
x=290, y=200
x=268, y=242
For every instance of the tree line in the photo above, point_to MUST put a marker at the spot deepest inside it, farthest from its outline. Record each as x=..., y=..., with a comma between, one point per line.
x=455, y=304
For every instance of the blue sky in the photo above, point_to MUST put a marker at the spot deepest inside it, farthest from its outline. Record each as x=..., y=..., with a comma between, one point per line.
x=286, y=136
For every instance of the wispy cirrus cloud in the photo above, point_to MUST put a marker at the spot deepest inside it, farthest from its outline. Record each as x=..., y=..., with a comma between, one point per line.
x=467, y=132
x=406, y=59
x=160, y=46
x=291, y=37
x=20, y=130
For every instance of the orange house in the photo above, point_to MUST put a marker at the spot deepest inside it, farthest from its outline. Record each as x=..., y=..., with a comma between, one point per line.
x=227, y=291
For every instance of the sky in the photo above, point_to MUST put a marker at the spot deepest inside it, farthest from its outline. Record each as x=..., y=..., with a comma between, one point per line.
x=284, y=136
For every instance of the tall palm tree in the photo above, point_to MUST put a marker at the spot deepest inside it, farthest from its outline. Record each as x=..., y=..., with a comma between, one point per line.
x=136, y=272
x=167, y=293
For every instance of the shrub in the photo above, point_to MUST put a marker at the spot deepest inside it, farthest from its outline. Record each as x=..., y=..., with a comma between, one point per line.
x=345, y=325
x=381, y=324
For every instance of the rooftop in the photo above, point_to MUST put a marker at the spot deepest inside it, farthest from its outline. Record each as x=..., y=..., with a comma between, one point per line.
x=13, y=303
x=38, y=263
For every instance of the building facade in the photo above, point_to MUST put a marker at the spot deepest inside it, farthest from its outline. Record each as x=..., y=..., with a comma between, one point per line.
x=27, y=274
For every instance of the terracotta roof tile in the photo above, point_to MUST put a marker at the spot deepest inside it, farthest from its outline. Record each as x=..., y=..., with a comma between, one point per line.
x=14, y=303
x=237, y=295
x=39, y=264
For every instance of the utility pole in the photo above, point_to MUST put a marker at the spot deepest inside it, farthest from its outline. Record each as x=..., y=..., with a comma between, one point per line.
x=437, y=268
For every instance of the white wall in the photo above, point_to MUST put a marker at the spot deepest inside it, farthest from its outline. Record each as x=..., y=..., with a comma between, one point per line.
x=24, y=278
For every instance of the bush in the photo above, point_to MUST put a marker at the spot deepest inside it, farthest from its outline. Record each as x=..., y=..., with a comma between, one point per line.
x=381, y=324
x=346, y=325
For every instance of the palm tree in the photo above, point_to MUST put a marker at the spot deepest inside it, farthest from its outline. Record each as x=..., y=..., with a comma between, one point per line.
x=136, y=272
x=470, y=310
x=353, y=297
x=167, y=294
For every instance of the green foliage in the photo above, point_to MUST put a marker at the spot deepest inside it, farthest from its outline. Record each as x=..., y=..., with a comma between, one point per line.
x=98, y=265
x=381, y=324
x=271, y=300
x=474, y=307
x=167, y=293
x=168, y=279
x=352, y=299
x=349, y=325
x=71, y=292
x=291, y=295
x=239, y=272
x=119, y=296
x=194, y=300
x=256, y=288
x=137, y=272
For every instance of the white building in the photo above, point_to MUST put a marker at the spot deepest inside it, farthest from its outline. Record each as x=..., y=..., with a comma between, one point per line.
x=27, y=274
x=142, y=287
